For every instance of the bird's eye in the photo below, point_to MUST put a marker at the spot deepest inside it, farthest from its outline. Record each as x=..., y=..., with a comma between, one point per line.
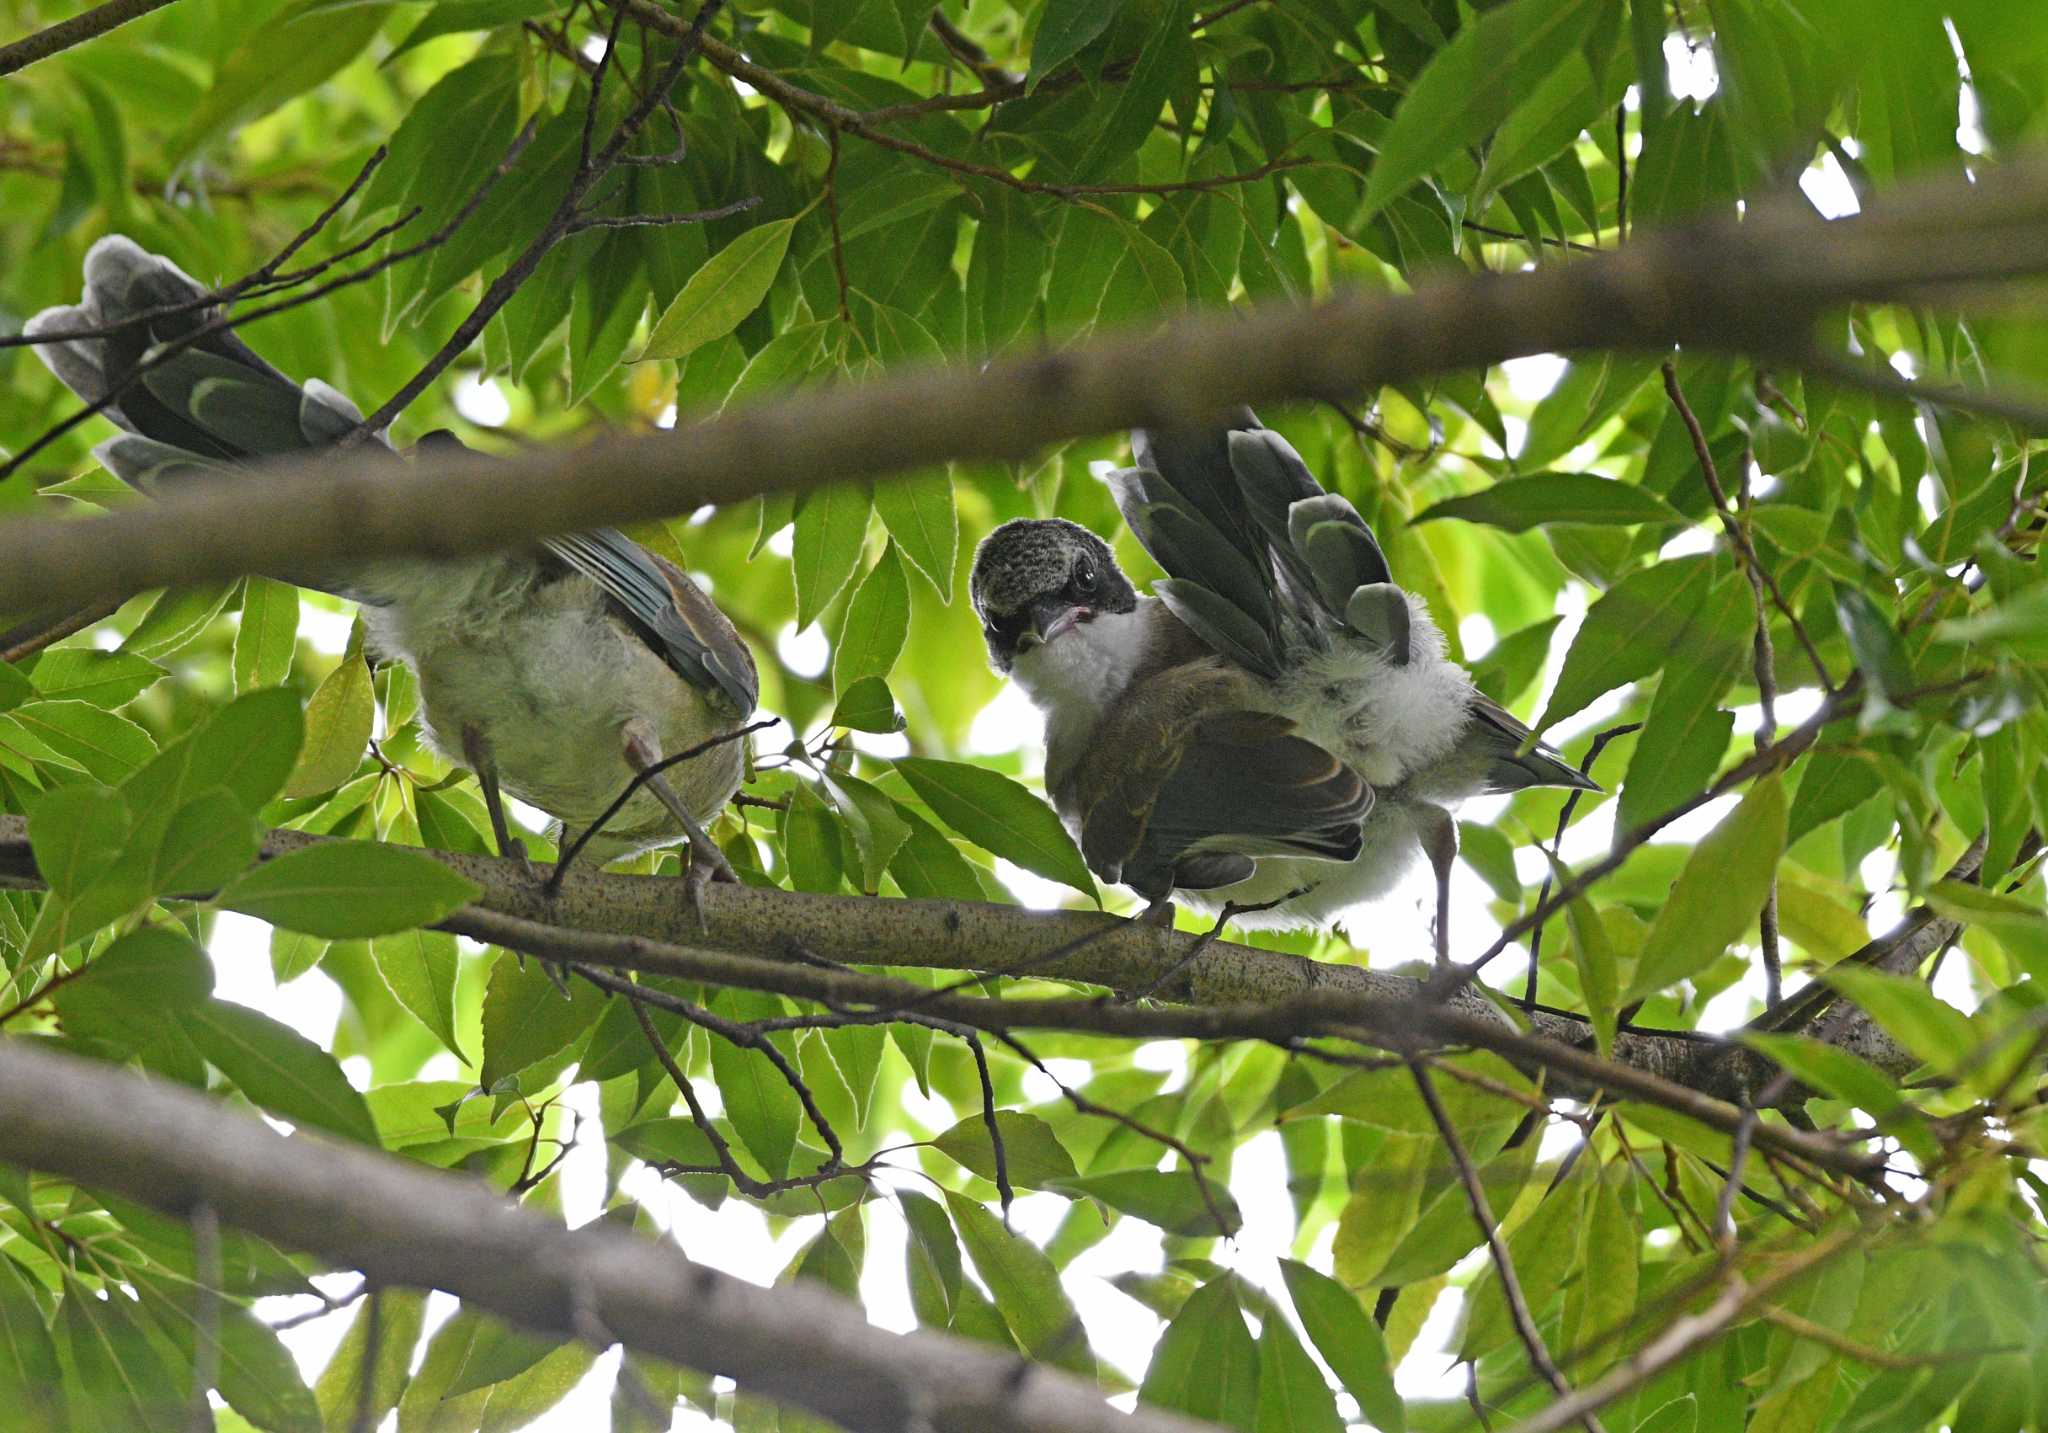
x=1084, y=576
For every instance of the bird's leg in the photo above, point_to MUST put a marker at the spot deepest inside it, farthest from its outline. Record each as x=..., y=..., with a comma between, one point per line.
x=1439, y=836
x=707, y=862
x=476, y=751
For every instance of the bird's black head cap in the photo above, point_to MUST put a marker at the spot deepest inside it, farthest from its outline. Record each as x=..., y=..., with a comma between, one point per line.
x=1030, y=572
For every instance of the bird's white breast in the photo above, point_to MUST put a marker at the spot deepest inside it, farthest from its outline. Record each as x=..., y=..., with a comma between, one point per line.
x=549, y=676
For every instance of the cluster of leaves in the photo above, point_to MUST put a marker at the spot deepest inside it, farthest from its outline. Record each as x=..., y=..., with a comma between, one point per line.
x=1156, y=157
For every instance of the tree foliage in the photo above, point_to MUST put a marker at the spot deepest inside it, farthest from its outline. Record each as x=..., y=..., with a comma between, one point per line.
x=1791, y=619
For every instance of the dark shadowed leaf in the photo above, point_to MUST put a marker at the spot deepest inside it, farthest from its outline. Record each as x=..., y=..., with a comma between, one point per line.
x=278, y=1068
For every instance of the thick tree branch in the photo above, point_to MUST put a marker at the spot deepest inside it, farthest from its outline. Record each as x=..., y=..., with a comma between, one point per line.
x=1752, y=287
x=405, y=1225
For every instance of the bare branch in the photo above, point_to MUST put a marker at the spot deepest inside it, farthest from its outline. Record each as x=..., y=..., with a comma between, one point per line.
x=408, y=1226
x=75, y=31
x=1748, y=287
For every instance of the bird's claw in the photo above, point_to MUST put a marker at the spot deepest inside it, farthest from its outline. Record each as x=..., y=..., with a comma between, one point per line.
x=708, y=866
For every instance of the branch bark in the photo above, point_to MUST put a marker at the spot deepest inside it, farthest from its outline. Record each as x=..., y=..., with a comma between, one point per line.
x=75, y=31
x=775, y=941
x=405, y=1225
x=1753, y=287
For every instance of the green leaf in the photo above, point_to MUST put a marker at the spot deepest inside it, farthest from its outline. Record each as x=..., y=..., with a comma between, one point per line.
x=1171, y=1199
x=29, y=1372
x=1718, y=893
x=210, y=840
x=923, y=524
x=1873, y=643
x=1537, y=501
x=1472, y=84
x=2021, y=927
x=929, y=867
x=119, y=1377
x=730, y=286
x=1064, y=29
x=401, y=1314
x=1025, y=1285
x=338, y=722
x=871, y=819
x=999, y=816
x=1833, y=784
x=1937, y=1033
x=869, y=705
x=1685, y=734
x=86, y=674
x=259, y=1378
x=278, y=1068
x=268, y=634
x=452, y=17
x=1610, y=1243
x=1571, y=98
x=527, y=1018
x=759, y=1101
x=345, y=890
x=418, y=967
x=1838, y=1074
x=497, y=1353
x=288, y=54
x=932, y=1254
x=176, y=619
x=1032, y=1154
x=1205, y=1364
x=877, y=621
x=1629, y=633
x=1598, y=963
x=1292, y=1395
x=108, y=746
x=831, y=529
x=1515, y=661
x=15, y=688
x=1349, y=1341
x=1165, y=62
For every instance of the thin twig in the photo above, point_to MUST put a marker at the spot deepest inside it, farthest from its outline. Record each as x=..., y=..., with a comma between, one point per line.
x=75, y=31
x=1496, y=1247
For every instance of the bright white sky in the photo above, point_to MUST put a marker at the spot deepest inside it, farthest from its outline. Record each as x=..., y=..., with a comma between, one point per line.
x=737, y=1238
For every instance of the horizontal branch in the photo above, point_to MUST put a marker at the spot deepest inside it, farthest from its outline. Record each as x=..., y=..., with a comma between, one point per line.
x=404, y=1224
x=1754, y=286
x=784, y=942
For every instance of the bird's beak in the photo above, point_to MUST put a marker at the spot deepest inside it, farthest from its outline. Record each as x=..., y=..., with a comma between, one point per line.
x=1048, y=621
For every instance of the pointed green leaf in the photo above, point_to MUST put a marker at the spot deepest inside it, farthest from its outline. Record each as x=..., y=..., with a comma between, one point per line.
x=278, y=1068
x=345, y=890
x=1718, y=893
x=999, y=816
x=730, y=286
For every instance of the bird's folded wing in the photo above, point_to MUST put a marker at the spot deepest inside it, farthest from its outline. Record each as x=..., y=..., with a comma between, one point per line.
x=1513, y=758
x=684, y=626
x=1179, y=791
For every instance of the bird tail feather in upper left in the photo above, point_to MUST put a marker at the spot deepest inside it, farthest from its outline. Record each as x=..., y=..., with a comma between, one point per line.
x=206, y=406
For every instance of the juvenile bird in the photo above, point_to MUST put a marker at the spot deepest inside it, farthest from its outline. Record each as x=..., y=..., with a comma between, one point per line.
x=557, y=671
x=1278, y=723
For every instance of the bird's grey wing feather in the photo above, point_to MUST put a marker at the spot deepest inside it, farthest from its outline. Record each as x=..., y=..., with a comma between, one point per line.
x=1181, y=792
x=684, y=626
x=1513, y=760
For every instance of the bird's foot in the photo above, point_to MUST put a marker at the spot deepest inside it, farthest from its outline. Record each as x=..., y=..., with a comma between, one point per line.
x=1159, y=915
x=708, y=866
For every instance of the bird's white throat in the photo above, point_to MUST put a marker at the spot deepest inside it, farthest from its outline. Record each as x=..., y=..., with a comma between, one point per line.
x=1074, y=677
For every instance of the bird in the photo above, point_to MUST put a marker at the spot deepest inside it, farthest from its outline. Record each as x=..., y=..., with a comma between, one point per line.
x=555, y=673
x=1276, y=731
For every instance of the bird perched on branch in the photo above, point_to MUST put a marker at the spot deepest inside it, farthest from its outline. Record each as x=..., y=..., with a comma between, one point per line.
x=558, y=671
x=1278, y=723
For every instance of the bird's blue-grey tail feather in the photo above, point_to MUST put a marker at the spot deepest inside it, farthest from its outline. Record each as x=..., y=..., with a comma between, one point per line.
x=1255, y=547
x=213, y=403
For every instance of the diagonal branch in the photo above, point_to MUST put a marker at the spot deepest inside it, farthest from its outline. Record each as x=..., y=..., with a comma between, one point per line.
x=407, y=1226
x=75, y=31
